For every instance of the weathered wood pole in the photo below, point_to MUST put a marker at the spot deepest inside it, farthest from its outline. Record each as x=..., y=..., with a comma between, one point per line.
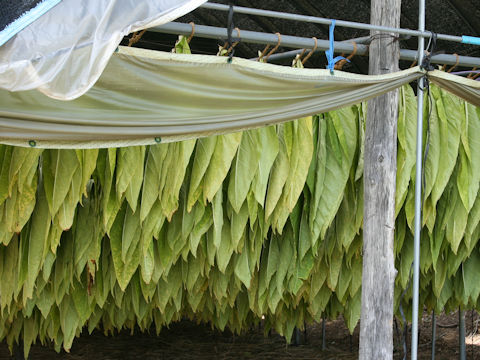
x=376, y=323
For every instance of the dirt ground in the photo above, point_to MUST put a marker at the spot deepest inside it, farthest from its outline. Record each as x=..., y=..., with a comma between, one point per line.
x=186, y=340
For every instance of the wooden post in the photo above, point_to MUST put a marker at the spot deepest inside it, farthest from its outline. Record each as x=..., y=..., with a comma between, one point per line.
x=376, y=323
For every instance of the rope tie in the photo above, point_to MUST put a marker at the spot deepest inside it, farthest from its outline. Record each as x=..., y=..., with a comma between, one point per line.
x=426, y=59
x=224, y=47
x=276, y=46
x=136, y=37
x=342, y=62
x=456, y=63
x=264, y=51
x=471, y=74
x=311, y=51
x=192, y=24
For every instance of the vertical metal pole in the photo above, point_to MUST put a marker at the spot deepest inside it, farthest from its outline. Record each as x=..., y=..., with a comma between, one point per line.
x=418, y=186
x=472, y=332
x=324, y=341
x=434, y=333
x=305, y=332
x=461, y=334
x=298, y=341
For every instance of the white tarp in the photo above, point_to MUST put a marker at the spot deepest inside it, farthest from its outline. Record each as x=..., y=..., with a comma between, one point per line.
x=17, y=15
x=63, y=53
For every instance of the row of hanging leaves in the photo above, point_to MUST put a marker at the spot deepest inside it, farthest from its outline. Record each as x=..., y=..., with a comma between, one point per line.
x=227, y=229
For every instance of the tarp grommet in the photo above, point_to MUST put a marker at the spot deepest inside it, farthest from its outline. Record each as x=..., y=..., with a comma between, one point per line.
x=32, y=143
x=158, y=139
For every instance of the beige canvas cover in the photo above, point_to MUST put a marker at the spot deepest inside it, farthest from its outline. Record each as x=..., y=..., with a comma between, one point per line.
x=146, y=97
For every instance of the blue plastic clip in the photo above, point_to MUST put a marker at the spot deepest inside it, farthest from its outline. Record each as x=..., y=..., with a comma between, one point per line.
x=329, y=53
x=471, y=40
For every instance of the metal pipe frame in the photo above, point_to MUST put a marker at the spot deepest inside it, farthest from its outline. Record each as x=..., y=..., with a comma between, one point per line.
x=461, y=334
x=319, y=20
x=418, y=187
x=296, y=42
x=434, y=333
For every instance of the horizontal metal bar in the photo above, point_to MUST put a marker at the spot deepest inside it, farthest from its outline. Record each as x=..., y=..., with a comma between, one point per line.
x=212, y=32
x=325, y=21
x=473, y=40
x=447, y=59
x=467, y=72
x=296, y=42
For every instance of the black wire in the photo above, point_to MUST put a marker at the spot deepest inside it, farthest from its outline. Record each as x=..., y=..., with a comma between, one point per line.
x=427, y=142
x=230, y=26
x=430, y=52
x=383, y=36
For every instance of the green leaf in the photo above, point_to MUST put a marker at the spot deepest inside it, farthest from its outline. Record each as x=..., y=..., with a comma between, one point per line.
x=5, y=162
x=470, y=276
x=151, y=184
x=242, y=269
x=457, y=221
x=124, y=270
x=225, y=250
x=406, y=133
x=274, y=258
x=468, y=179
x=130, y=233
x=88, y=163
x=286, y=257
x=38, y=242
x=181, y=46
x=176, y=172
x=301, y=156
x=68, y=322
x=217, y=209
x=130, y=174
x=268, y=147
x=59, y=167
x=244, y=168
x=449, y=138
x=353, y=312
x=328, y=194
x=203, y=154
x=225, y=150
x=278, y=176
x=80, y=301
x=238, y=225
x=344, y=280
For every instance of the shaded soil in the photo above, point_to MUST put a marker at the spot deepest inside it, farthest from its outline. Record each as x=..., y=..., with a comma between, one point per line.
x=186, y=340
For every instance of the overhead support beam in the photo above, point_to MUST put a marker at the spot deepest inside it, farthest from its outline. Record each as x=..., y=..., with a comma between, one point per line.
x=254, y=37
x=296, y=42
x=325, y=21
